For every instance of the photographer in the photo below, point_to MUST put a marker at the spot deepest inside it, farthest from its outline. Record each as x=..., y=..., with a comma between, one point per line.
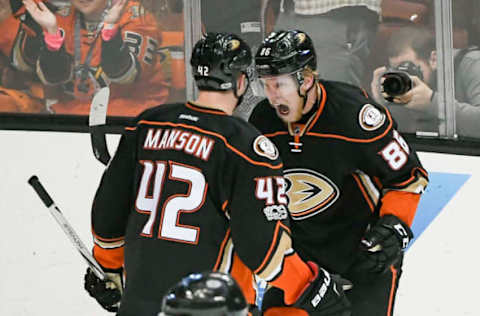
x=412, y=50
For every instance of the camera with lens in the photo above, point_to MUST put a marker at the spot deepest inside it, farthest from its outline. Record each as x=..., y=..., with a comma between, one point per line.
x=397, y=81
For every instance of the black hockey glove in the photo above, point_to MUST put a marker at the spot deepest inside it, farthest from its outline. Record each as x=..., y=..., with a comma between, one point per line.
x=325, y=295
x=108, y=293
x=383, y=244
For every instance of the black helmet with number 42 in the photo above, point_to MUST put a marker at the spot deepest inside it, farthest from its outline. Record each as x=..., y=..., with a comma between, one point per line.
x=218, y=59
x=205, y=294
x=285, y=52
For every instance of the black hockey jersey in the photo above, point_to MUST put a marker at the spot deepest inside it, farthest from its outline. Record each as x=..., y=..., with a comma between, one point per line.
x=190, y=189
x=338, y=165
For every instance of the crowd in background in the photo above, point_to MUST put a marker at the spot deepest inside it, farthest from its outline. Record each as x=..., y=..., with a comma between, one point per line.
x=56, y=56
x=142, y=63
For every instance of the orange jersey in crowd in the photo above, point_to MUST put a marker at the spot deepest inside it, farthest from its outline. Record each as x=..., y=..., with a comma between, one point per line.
x=19, y=93
x=143, y=84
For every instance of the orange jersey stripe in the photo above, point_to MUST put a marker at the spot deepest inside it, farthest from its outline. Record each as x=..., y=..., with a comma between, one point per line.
x=238, y=152
x=285, y=311
x=348, y=139
x=294, y=278
x=220, y=252
x=392, y=290
x=276, y=134
x=412, y=177
x=322, y=105
x=109, y=258
x=356, y=140
x=224, y=205
x=401, y=204
x=364, y=193
x=244, y=277
x=272, y=245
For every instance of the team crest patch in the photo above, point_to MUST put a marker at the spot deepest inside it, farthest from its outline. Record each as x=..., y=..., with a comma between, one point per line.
x=370, y=118
x=265, y=148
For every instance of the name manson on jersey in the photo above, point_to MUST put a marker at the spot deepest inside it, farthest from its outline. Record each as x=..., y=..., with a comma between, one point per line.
x=191, y=143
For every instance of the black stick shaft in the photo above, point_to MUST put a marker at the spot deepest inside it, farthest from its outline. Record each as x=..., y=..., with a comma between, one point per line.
x=42, y=193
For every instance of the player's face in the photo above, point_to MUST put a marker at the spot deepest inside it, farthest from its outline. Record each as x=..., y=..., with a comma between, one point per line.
x=90, y=7
x=426, y=66
x=282, y=93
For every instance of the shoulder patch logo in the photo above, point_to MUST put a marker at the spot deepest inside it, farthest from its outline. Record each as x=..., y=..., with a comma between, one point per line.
x=370, y=118
x=265, y=148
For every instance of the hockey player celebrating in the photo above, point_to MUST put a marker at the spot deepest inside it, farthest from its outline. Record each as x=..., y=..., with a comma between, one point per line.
x=353, y=182
x=192, y=188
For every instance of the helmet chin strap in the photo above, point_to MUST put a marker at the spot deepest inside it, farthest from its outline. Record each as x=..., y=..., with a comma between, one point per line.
x=300, y=80
x=235, y=91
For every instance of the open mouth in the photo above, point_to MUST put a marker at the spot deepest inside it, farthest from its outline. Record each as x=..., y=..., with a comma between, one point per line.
x=283, y=109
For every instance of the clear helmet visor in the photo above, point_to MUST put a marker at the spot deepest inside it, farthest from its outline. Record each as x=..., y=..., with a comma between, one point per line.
x=278, y=86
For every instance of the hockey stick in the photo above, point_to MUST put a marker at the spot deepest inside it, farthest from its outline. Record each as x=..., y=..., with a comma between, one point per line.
x=65, y=225
x=97, y=122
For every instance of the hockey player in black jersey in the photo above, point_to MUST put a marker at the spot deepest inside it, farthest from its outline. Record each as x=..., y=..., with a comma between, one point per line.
x=353, y=182
x=192, y=188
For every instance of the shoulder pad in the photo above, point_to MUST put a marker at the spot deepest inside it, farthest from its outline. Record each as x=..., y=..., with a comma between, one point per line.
x=353, y=115
x=256, y=146
x=371, y=118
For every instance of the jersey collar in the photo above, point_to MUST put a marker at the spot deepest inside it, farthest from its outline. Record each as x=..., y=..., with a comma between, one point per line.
x=298, y=129
x=204, y=109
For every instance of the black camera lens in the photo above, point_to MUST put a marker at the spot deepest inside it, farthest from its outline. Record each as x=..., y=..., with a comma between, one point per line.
x=396, y=83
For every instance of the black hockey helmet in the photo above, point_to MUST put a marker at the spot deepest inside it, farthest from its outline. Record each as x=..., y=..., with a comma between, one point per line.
x=285, y=52
x=218, y=59
x=205, y=294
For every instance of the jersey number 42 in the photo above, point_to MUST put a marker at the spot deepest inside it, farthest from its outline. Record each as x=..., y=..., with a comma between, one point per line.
x=174, y=205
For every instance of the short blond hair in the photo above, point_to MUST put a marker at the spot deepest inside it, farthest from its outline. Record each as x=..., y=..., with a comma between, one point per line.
x=309, y=72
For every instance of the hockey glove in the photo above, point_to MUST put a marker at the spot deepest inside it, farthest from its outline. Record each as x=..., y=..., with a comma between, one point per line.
x=108, y=293
x=325, y=296
x=383, y=244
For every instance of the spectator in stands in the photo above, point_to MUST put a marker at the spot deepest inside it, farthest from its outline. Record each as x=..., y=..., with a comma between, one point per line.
x=101, y=43
x=20, y=89
x=169, y=16
x=417, y=109
x=343, y=33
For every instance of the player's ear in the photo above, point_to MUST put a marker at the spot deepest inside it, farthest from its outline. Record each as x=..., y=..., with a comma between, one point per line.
x=307, y=83
x=242, y=84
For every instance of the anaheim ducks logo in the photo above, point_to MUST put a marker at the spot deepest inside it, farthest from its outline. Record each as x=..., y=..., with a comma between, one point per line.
x=300, y=37
x=234, y=44
x=309, y=192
